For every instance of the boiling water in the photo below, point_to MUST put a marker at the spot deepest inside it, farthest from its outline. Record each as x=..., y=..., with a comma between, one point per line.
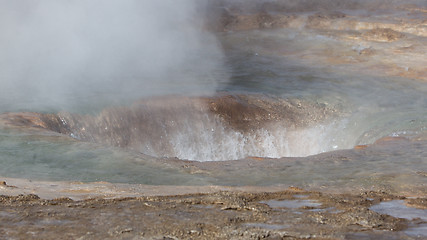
x=360, y=107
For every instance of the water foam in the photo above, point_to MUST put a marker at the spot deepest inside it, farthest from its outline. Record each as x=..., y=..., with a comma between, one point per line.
x=211, y=129
x=219, y=143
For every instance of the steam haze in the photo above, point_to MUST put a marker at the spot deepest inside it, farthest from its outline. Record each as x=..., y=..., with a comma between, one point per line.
x=53, y=49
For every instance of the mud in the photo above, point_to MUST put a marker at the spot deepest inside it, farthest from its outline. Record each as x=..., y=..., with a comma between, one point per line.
x=218, y=215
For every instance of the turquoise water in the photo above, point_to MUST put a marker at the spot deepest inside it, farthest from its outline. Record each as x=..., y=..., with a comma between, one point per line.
x=369, y=106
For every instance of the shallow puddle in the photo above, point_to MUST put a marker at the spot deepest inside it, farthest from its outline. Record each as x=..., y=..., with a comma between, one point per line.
x=419, y=231
x=397, y=208
x=300, y=196
x=330, y=210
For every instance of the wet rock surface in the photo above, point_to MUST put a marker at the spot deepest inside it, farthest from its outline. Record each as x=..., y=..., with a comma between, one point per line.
x=383, y=36
x=417, y=203
x=225, y=215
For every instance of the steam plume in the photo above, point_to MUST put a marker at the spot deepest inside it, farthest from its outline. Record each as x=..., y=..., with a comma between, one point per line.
x=55, y=48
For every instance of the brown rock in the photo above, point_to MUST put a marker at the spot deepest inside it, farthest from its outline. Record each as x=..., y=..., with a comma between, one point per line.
x=360, y=147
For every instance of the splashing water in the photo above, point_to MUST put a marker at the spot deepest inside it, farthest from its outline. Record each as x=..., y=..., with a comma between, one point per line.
x=305, y=89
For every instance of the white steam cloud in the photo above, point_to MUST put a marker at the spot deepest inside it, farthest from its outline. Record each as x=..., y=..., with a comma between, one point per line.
x=56, y=48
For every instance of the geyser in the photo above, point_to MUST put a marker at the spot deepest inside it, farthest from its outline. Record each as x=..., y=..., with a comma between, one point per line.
x=305, y=77
x=218, y=128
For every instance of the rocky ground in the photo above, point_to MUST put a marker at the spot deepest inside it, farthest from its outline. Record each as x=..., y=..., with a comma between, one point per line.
x=290, y=214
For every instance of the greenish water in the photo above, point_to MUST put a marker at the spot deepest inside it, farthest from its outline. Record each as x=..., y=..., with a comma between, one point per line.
x=370, y=107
